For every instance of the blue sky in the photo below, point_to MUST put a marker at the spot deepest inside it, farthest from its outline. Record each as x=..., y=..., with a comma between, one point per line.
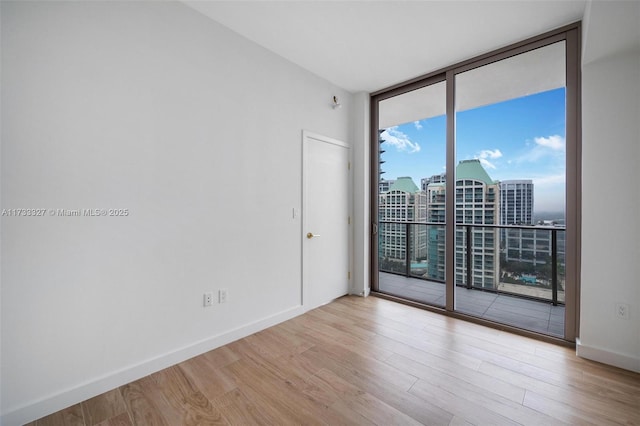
x=522, y=138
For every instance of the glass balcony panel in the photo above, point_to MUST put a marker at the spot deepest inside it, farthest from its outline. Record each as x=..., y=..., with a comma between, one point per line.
x=420, y=275
x=515, y=284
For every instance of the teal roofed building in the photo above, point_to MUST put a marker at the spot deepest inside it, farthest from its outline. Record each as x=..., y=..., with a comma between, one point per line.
x=473, y=170
x=400, y=207
x=477, y=203
x=404, y=184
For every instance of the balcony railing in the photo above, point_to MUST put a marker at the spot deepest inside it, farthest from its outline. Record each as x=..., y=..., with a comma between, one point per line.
x=525, y=261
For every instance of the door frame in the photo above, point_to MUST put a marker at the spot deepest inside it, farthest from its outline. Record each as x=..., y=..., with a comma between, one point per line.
x=309, y=137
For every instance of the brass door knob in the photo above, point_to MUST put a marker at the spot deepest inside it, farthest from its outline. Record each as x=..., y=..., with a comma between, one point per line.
x=310, y=235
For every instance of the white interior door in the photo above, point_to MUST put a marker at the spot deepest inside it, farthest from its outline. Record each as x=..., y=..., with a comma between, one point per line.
x=326, y=242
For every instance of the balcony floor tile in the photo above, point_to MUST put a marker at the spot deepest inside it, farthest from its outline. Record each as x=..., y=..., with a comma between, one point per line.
x=538, y=316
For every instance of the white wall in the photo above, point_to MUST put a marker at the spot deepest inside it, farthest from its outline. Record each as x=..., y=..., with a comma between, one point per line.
x=611, y=194
x=150, y=107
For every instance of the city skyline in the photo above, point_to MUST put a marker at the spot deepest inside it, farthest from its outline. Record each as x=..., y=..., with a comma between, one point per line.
x=522, y=138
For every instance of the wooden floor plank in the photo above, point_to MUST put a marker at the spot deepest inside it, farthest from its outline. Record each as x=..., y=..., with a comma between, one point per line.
x=208, y=376
x=103, y=407
x=362, y=365
x=460, y=377
x=471, y=411
x=238, y=409
x=284, y=368
x=459, y=421
x=587, y=398
x=121, y=420
x=393, y=394
x=146, y=405
x=359, y=401
x=276, y=396
x=559, y=411
x=498, y=397
x=71, y=416
x=364, y=361
x=184, y=397
x=403, y=344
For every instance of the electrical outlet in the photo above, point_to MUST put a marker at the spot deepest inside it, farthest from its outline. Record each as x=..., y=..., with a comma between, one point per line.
x=208, y=299
x=222, y=295
x=622, y=310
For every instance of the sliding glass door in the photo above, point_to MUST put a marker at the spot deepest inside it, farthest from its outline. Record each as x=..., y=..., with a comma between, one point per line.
x=411, y=198
x=510, y=189
x=476, y=175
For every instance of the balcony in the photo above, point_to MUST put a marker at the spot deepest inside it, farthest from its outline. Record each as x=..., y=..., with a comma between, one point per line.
x=520, y=287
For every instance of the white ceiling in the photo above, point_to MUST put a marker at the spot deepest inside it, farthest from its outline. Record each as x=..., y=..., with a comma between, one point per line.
x=369, y=45
x=532, y=72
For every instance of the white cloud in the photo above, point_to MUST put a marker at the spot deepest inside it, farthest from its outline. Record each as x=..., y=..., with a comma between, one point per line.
x=395, y=137
x=552, y=146
x=554, y=142
x=486, y=154
x=417, y=124
x=487, y=164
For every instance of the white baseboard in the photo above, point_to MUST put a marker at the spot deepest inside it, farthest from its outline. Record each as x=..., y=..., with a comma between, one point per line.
x=97, y=386
x=607, y=357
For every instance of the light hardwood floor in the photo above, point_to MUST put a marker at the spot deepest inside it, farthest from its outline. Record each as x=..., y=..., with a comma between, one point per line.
x=372, y=361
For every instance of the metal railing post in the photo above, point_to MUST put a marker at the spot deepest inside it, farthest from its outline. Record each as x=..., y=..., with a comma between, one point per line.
x=469, y=256
x=407, y=258
x=554, y=267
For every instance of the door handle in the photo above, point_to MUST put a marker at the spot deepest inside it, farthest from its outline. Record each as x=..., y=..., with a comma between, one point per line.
x=311, y=235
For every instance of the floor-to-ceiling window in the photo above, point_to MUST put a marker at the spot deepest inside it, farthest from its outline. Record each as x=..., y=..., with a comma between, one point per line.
x=476, y=187
x=411, y=198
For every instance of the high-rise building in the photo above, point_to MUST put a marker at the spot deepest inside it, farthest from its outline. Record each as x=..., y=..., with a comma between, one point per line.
x=381, y=151
x=516, y=202
x=403, y=202
x=524, y=245
x=477, y=203
x=533, y=246
x=424, y=182
x=384, y=185
x=436, y=233
x=516, y=208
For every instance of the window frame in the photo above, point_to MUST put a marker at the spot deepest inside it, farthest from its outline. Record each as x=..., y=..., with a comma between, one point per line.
x=570, y=34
